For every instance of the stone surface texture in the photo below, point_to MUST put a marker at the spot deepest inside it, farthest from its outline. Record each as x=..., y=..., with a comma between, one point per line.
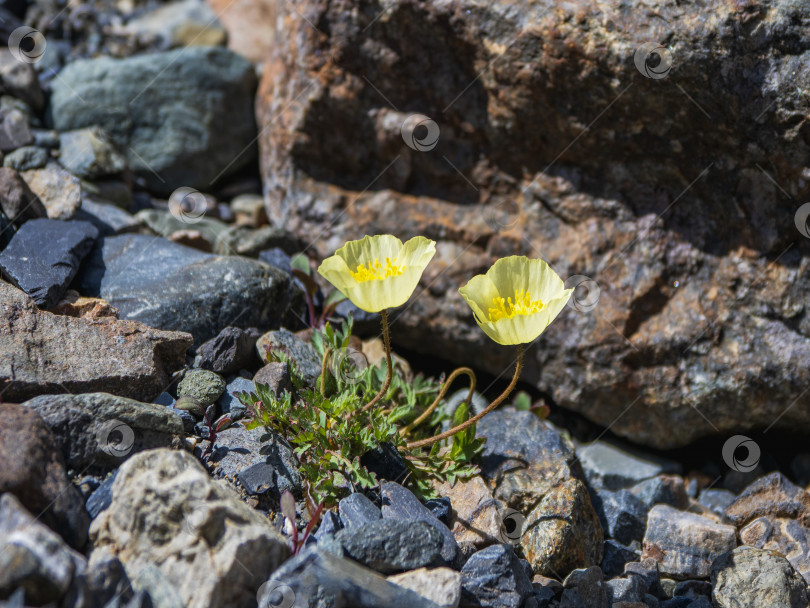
x=43, y=353
x=676, y=195
x=166, y=513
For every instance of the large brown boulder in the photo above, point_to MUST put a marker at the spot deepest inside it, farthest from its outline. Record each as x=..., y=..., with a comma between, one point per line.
x=670, y=177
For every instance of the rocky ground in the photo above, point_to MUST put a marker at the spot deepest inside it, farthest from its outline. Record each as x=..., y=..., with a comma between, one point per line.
x=162, y=164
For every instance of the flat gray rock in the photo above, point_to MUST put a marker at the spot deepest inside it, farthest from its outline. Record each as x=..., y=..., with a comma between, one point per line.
x=101, y=430
x=184, y=117
x=43, y=353
x=169, y=286
x=44, y=272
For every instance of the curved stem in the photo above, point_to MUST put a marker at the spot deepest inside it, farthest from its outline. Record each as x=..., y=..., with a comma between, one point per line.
x=445, y=387
x=389, y=364
x=477, y=417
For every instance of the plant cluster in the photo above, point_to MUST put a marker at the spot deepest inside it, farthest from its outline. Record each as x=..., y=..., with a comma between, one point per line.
x=353, y=409
x=329, y=433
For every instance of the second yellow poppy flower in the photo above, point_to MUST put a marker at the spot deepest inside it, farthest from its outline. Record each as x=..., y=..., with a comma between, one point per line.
x=378, y=272
x=516, y=299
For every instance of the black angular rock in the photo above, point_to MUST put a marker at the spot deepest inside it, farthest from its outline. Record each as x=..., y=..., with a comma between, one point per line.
x=101, y=497
x=400, y=503
x=441, y=508
x=258, y=479
x=386, y=462
x=647, y=572
x=494, y=578
x=330, y=525
x=44, y=256
x=391, y=545
x=356, y=510
x=623, y=515
x=616, y=555
x=585, y=588
x=166, y=285
x=231, y=350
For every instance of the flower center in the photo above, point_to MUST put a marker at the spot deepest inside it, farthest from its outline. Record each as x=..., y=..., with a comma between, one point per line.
x=375, y=271
x=507, y=308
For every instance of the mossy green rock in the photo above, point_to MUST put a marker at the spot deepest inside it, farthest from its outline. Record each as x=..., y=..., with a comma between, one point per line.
x=202, y=385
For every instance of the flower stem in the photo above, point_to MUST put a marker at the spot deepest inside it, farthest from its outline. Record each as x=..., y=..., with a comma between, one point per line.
x=445, y=387
x=477, y=417
x=389, y=364
x=326, y=354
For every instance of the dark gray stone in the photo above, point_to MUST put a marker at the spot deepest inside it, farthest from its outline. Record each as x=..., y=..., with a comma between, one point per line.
x=277, y=258
x=625, y=590
x=109, y=219
x=167, y=110
x=693, y=589
x=616, y=555
x=301, y=353
x=612, y=467
x=662, y=489
x=442, y=509
x=238, y=448
x=231, y=350
x=391, y=545
x=677, y=602
x=494, y=578
x=44, y=272
x=646, y=571
x=400, y=503
x=258, y=479
x=229, y=404
x=101, y=497
x=623, y=516
x=356, y=510
x=585, y=588
x=319, y=579
x=104, y=585
x=329, y=525
x=101, y=430
x=386, y=462
x=163, y=284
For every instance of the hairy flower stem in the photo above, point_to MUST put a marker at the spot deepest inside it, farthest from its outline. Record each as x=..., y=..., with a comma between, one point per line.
x=389, y=364
x=445, y=387
x=431, y=440
x=324, y=362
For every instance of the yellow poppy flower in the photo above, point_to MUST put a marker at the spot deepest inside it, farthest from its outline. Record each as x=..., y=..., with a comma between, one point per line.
x=378, y=272
x=516, y=299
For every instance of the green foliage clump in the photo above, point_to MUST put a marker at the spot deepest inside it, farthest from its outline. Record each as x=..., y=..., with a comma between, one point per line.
x=329, y=433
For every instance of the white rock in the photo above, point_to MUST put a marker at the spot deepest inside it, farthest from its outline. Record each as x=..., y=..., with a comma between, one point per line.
x=440, y=585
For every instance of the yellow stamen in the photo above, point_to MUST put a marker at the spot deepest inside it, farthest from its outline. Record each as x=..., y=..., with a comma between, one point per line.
x=506, y=309
x=376, y=271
